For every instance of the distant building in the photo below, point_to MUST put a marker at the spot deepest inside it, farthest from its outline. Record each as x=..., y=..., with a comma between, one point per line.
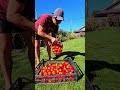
x=113, y=10
x=80, y=32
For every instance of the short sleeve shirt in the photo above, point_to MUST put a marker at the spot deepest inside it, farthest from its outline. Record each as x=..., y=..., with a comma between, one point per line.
x=28, y=12
x=29, y=9
x=3, y=9
x=46, y=21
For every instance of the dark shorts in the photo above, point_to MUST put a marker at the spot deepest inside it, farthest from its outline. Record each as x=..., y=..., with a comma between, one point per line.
x=7, y=27
x=37, y=37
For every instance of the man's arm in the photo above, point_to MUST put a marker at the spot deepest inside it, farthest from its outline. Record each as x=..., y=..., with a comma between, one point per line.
x=14, y=16
x=44, y=35
x=54, y=35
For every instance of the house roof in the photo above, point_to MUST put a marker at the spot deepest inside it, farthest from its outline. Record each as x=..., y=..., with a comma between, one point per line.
x=109, y=9
x=80, y=30
x=113, y=5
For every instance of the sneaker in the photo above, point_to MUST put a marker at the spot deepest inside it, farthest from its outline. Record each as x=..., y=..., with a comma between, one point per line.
x=52, y=59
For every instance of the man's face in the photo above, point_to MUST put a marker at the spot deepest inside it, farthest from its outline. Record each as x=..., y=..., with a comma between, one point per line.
x=56, y=22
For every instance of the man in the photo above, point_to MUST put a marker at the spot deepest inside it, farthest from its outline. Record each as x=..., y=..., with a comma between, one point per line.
x=46, y=24
x=19, y=13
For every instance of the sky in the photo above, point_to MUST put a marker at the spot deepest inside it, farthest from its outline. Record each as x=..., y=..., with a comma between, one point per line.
x=74, y=12
x=98, y=5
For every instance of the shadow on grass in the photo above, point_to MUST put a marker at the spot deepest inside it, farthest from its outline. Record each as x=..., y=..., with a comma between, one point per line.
x=69, y=53
x=94, y=65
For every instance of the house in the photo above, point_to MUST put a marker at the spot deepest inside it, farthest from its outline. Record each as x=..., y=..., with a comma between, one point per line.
x=113, y=10
x=80, y=32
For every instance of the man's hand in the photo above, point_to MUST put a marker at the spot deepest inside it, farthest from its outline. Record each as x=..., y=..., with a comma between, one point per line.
x=54, y=41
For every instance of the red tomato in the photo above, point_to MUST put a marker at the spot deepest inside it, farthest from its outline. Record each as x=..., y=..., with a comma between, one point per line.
x=49, y=72
x=41, y=73
x=71, y=78
x=57, y=49
x=53, y=72
x=43, y=79
x=50, y=80
x=55, y=69
x=45, y=74
x=60, y=78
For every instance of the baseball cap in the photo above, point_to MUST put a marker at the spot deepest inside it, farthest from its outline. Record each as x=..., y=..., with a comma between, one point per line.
x=59, y=14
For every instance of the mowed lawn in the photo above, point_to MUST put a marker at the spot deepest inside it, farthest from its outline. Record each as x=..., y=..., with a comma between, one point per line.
x=21, y=67
x=75, y=48
x=103, y=59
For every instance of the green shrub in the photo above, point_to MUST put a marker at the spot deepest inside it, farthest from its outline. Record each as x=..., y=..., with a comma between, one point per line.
x=114, y=21
x=109, y=29
x=62, y=38
x=71, y=36
x=90, y=24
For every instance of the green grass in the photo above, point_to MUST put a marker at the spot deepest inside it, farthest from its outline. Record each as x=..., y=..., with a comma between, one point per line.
x=103, y=59
x=76, y=48
x=21, y=67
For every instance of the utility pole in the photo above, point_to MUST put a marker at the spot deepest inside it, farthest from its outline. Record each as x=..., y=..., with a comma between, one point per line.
x=71, y=24
x=86, y=4
x=36, y=13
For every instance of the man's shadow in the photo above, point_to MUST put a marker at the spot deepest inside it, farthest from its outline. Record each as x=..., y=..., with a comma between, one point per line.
x=69, y=53
x=95, y=65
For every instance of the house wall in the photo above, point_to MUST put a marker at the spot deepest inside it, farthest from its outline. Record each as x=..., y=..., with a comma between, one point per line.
x=101, y=21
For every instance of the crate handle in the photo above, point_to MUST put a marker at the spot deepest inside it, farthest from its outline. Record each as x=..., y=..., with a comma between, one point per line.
x=79, y=70
x=38, y=66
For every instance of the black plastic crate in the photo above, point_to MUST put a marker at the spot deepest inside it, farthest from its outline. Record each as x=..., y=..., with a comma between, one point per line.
x=75, y=76
x=23, y=84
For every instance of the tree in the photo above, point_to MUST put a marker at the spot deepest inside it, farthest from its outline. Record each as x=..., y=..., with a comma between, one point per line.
x=61, y=35
x=94, y=13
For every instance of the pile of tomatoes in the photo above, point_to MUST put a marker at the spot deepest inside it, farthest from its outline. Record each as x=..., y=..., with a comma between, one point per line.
x=57, y=48
x=57, y=70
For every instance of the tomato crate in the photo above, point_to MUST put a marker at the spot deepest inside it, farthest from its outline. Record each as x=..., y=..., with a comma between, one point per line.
x=74, y=75
x=23, y=83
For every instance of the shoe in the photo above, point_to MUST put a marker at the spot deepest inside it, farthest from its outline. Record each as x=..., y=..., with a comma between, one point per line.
x=52, y=59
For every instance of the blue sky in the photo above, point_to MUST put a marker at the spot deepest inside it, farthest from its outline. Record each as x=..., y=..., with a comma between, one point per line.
x=74, y=12
x=98, y=5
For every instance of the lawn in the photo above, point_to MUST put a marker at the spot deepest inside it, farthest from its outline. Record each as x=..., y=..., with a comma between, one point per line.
x=103, y=59
x=75, y=48
x=21, y=67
